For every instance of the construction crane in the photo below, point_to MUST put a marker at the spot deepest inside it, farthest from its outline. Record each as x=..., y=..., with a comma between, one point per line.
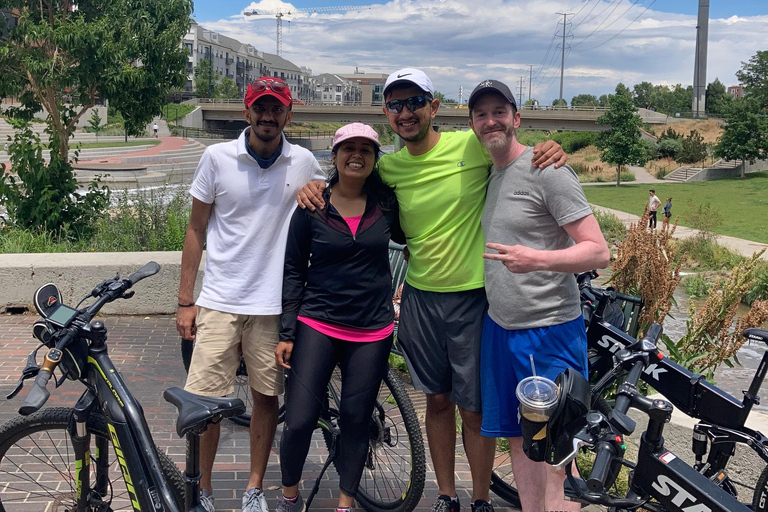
x=280, y=13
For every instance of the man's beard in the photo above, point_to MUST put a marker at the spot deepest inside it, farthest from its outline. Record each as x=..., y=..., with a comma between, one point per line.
x=499, y=142
x=266, y=138
x=419, y=136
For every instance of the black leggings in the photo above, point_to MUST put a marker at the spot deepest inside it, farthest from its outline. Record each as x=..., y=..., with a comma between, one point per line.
x=652, y=219
x=314, y=357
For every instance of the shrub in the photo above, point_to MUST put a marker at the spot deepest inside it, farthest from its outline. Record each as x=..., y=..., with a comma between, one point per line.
x=696, y=286
x=645, y=265
x=693, y=149
x=670, y=134
x=669, y=148
x=704, y=253
x=710, y=340
x=651, y=149
x=612, y=227
x=759, y=289
x=44, y=197
x=704, y=218
x=574, y=141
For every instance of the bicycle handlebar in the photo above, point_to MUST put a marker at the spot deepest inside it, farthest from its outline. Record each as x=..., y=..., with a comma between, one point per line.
x=606, y=451
x=115, y=289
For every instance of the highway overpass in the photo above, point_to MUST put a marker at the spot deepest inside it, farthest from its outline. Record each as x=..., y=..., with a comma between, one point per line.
x=227, y=114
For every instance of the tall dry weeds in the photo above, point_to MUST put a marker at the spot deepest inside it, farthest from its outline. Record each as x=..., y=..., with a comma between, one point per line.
x=710, y=340
x=645, y=265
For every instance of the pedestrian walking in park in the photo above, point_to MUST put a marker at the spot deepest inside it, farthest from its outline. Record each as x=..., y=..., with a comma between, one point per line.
x=244, y=191
x=653, y=205
x=442, y=179
x=337, y=309
x=539, y=231
x=154, y=129
x=667, y=212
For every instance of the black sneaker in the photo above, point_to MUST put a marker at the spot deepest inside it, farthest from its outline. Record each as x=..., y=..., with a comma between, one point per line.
x=446, y=504
x=482, y=506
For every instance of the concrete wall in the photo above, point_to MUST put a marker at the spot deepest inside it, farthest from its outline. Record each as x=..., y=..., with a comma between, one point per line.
x=714, y=173
x=193, y=120
x=77, y=273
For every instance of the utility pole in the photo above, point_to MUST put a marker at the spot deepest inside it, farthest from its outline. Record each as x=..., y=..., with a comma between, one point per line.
x=461, y=94
x=530, y=80
x=520, y=94
x=562, y=59
x=700, y=61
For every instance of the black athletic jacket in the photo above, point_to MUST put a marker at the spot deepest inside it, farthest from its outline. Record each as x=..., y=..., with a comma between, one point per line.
x=334, y=276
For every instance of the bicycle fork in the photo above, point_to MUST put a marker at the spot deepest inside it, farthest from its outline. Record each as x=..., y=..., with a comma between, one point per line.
x=81, y=445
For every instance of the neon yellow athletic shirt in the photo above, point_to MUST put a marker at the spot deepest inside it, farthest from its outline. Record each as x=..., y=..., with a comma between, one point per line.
x=441, y=196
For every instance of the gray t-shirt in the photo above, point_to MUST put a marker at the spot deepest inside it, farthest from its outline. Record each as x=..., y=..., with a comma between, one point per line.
x=528, y=206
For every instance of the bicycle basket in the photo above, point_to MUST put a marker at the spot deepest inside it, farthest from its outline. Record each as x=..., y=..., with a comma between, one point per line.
x=567, y=419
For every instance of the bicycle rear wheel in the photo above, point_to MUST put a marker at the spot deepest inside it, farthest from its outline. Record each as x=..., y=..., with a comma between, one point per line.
x=242, y=389
x=37, y=465
x=394, y=472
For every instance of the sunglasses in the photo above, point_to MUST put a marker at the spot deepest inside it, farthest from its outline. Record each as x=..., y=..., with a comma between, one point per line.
x=413, y=103
x=263, y=85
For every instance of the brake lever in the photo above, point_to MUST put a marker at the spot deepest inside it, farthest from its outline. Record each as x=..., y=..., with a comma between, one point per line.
x=104, y=286
x=128, y=295
x=30, y=371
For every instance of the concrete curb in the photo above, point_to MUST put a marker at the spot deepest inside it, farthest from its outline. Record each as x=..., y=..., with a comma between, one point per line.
x=77, y=273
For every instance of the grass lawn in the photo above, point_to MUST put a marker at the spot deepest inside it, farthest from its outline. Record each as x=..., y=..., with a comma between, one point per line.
x=95, y=145
x=743, y=203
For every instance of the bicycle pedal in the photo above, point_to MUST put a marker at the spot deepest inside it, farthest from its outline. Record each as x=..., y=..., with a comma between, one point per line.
x=719, y=477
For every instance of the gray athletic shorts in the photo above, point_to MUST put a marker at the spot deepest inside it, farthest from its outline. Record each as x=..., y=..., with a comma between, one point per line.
x=440, y=334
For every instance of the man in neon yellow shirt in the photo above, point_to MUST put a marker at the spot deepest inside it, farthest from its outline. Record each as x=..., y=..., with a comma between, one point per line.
x=440, y=182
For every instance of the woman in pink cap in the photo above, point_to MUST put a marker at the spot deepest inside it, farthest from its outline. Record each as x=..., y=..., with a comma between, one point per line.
x=337, y=309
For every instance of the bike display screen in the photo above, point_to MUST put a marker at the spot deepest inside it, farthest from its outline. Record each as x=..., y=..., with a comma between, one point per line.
x=62, y=315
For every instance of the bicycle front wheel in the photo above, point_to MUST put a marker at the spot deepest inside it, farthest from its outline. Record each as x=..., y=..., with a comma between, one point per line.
x=394, y=472
x=37, y=466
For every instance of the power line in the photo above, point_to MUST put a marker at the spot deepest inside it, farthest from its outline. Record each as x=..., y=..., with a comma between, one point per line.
x=601, y=23
x=587, y=16
x=622, y=30
x=631, y=6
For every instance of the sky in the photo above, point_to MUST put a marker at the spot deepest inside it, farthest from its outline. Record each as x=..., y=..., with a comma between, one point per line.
x=459, y=43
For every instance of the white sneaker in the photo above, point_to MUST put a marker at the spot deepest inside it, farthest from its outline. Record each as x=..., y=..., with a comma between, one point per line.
x=206, y=500
x=255, y=501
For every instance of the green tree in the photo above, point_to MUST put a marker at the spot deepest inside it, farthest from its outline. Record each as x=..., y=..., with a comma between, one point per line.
x=584, y=100
x=620, y=145
x=205, y=79
x=715, y=96
x=693, y=149
x=559, y=103
x=94, y=123
x=753, y=75
x=227, y=88
x=61, y=58
x=605, y=100
x=745, y=135
x=643, y=92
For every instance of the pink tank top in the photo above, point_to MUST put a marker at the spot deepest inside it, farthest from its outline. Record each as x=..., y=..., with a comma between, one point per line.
x=349, y=333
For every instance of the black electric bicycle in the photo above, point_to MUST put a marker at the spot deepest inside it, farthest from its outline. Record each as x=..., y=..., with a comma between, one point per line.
x=659, y=481
x=722, y=417
x=97, y=455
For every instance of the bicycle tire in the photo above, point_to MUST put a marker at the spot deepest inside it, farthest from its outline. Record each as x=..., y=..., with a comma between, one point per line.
x=382, y=486
x=760, y=497
x=242, y=389
x=27, y=443
x=502, y=478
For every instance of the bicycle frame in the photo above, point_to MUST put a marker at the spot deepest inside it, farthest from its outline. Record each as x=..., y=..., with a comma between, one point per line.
x=722, y=416
x=129, y=434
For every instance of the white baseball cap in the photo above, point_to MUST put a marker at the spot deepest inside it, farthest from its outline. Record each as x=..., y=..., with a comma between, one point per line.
x=413, y=76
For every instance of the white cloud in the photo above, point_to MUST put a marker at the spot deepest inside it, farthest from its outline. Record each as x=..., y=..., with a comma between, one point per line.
x=460, y=42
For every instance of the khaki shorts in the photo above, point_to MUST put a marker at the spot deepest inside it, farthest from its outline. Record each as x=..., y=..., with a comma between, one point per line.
x=221, y=339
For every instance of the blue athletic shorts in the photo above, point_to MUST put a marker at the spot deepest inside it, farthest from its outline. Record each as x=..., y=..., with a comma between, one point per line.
x=505, y=360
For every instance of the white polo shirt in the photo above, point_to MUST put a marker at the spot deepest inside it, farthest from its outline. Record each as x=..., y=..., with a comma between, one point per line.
x=248, y=227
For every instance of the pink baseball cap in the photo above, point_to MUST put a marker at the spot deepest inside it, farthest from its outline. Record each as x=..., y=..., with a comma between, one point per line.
x=352, y=130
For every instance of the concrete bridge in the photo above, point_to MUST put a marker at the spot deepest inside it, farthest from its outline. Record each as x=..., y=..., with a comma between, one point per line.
x=219, y=114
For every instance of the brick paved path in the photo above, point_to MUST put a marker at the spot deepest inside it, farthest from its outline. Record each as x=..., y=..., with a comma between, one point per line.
x=146, y=351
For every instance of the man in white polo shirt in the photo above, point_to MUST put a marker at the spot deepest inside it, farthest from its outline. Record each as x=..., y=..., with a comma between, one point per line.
x=244, y=191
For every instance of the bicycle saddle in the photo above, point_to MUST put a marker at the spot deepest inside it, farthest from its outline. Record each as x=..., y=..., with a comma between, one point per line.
x=196, y=412
x=756, y=334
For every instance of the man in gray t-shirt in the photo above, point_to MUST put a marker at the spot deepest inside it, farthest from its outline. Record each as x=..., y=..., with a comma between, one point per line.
x=540, y=230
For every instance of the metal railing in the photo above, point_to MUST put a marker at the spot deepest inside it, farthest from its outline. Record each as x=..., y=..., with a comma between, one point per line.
x=197, y=133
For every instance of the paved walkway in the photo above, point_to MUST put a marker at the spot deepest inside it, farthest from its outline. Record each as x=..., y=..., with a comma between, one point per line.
x=744, y=247
x=166, y=144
